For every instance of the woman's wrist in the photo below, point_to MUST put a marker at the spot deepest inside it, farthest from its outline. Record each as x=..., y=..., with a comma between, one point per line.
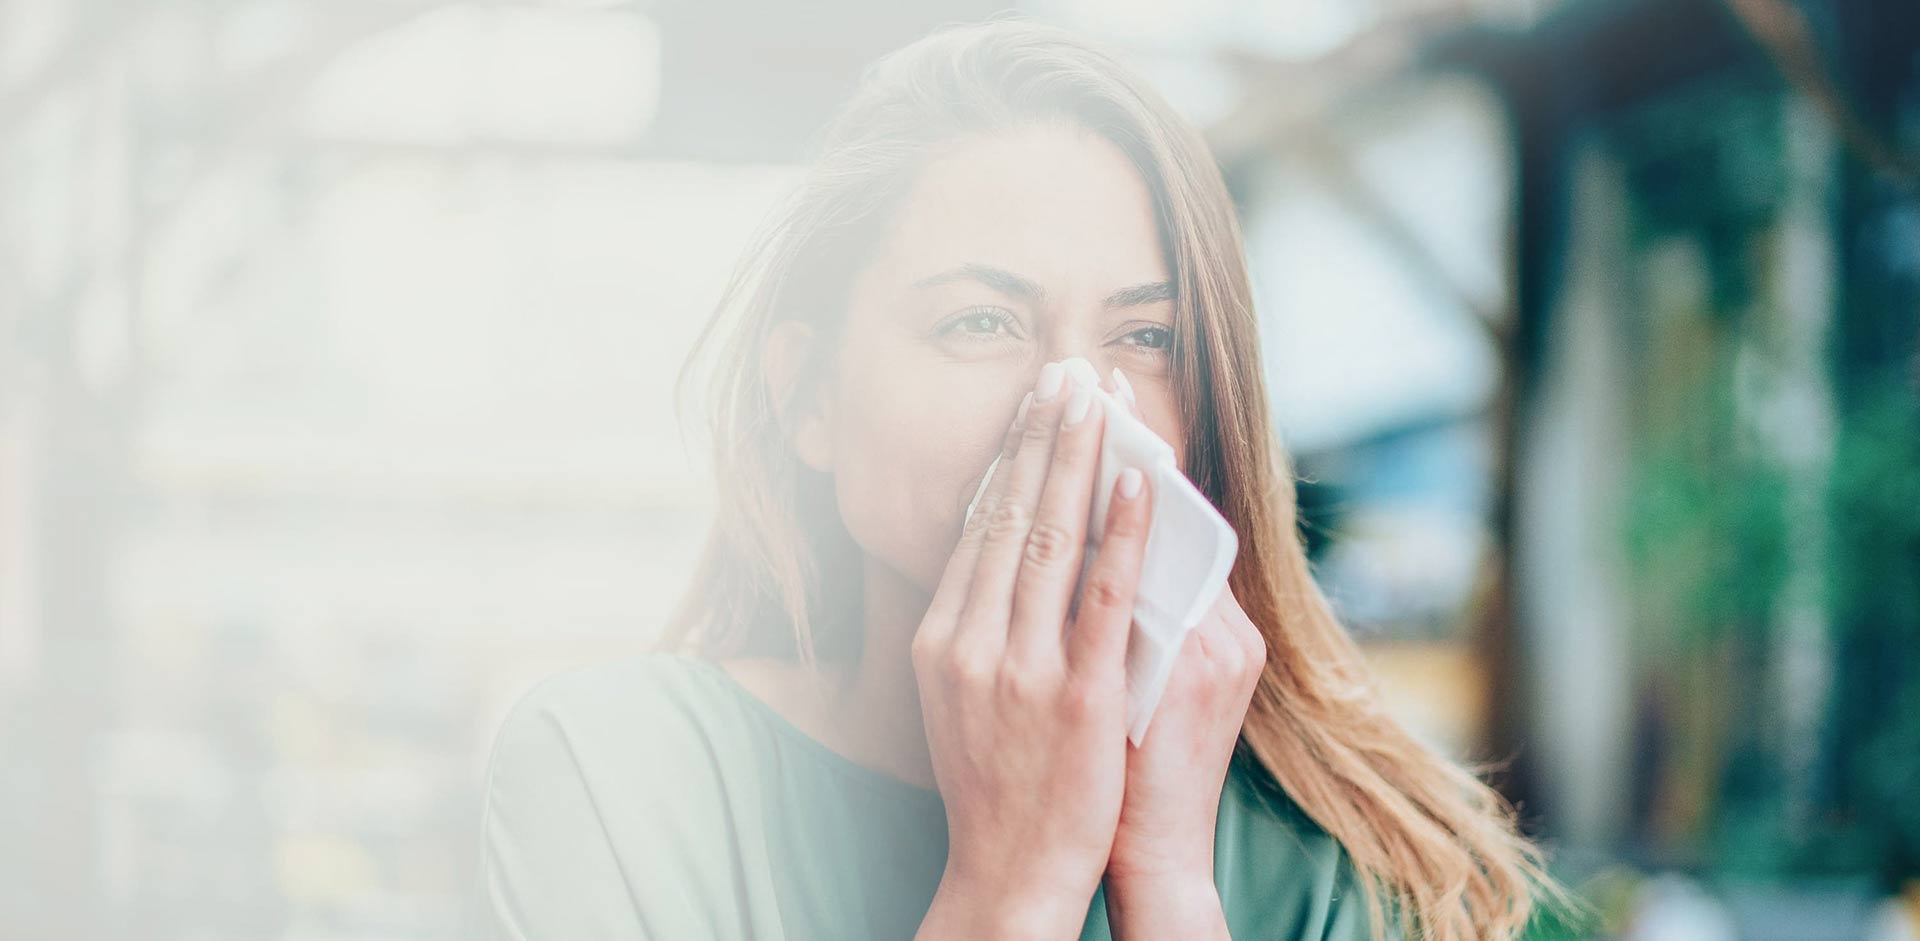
x=1165, y=905
x=1184, y=864
x=965, y=908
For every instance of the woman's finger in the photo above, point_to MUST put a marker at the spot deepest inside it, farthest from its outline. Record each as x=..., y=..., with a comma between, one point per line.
x=1220, y=646
x=1123, y=390
x=1050, y=567
x=1009, y=518
x=1097, y=643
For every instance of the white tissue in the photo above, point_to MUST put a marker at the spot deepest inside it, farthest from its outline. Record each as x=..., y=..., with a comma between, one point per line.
x=1190, y=548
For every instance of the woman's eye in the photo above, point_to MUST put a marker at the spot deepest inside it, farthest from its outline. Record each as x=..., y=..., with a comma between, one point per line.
x=1153, y=338
x=978, y=322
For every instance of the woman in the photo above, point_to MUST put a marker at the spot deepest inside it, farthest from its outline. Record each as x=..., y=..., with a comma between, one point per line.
x=873, y=720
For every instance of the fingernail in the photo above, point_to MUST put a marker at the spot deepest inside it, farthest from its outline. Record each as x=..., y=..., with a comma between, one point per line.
x=1126, y=388
x=1020, y=415
x=1078, y=406
x=1051, y=376
x=1130, y=481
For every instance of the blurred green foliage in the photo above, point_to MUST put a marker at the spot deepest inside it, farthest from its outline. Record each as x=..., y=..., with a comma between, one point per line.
x=1875, y=579
x=1706, y=527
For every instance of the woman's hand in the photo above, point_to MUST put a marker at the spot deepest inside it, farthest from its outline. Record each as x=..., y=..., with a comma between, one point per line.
x=1025, y=714
x=1160, y=873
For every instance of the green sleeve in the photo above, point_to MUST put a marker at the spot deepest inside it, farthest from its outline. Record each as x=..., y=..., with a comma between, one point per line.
x=1348, y=918
x=546, y=869
x=1279, y=874
x=600, y=821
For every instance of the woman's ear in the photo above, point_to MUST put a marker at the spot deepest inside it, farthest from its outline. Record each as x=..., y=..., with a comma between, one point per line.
x=800, y=400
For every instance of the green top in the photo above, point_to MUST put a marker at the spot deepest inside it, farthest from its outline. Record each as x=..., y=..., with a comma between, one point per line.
x=655, y=797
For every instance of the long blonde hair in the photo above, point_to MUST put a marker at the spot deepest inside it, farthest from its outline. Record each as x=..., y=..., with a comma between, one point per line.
x=1431, y=842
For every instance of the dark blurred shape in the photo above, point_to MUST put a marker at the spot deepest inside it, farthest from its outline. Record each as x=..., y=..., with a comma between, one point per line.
x=1718, y=273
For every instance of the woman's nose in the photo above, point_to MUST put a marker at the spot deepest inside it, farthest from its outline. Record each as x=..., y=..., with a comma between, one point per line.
x=1105, y=373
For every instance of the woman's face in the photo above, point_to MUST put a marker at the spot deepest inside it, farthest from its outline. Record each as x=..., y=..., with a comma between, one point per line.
x=1010, y=251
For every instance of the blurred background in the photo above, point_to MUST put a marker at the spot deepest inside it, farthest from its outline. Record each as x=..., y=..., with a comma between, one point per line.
x=337, y=341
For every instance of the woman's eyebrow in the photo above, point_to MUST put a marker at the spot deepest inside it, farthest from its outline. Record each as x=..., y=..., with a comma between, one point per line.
x=1013, y=285
x=1147, y=293
x=1000, y=279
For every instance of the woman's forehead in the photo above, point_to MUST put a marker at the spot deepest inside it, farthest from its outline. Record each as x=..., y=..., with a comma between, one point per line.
x=1063, y=207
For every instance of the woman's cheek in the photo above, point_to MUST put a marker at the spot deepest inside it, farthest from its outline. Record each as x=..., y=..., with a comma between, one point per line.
x=882, y=462
x=907, y=465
